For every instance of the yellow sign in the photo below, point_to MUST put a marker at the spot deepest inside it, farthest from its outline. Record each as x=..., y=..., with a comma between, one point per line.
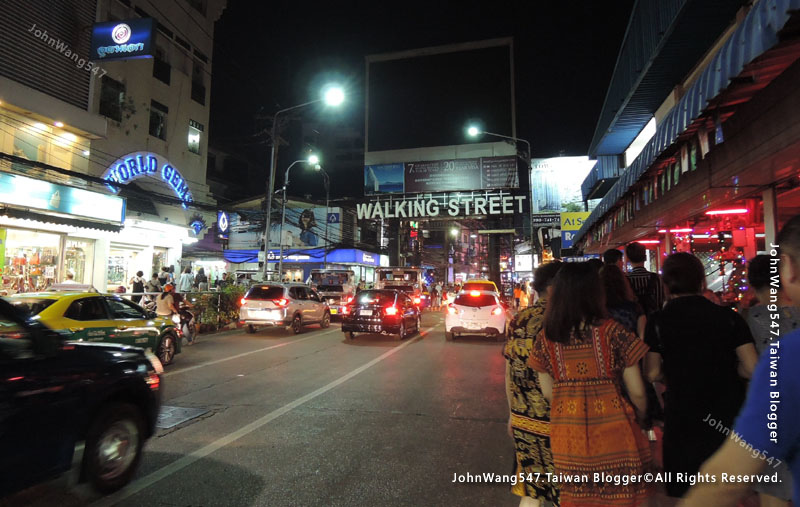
x=572, y=221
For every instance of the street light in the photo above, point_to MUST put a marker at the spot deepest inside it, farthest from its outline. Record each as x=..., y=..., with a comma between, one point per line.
x=454, y=232
x=313, y=160
x=327, y=181
x=332, y=95
x=474, y=131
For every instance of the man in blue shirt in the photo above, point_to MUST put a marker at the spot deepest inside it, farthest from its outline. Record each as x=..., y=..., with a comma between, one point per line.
x=767, y=430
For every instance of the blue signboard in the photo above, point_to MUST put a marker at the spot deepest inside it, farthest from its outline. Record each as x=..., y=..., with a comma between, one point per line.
x=317, y=255
x=122, y=40
x=143, y=163
x=223, y=224
x=333, y=218
x=42, y=195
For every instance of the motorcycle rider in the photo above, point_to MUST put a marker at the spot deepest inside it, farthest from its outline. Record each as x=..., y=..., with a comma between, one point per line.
x=165, y=302
x=182, y=305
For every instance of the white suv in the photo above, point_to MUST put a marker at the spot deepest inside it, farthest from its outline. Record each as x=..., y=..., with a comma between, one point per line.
x=293, y=305
x=477, y=312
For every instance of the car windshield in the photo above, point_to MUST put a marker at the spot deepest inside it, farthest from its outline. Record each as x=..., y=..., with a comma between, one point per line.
x=375, y=297
x=481, y=299
x=31, y=306
x=264, y=292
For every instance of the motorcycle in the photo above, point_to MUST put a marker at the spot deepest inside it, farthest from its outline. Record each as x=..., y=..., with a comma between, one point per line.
x=184, y=319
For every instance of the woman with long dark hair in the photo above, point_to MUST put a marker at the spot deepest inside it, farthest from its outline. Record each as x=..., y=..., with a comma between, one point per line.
x=583, y=359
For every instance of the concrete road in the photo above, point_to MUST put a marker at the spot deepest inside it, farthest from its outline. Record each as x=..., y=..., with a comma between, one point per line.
x=315, y=419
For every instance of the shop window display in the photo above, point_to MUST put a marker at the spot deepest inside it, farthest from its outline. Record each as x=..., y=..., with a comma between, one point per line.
x=30, y=260
x=78, y=259
x=120, y=267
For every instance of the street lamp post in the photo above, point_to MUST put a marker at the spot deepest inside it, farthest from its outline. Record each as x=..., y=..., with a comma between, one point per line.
x=333, y=96
x=475, y=132
x=311, y=160
x=327, y=182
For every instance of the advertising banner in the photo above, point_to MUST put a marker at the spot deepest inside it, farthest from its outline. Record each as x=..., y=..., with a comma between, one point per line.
x=570, y=224
x=557, y=181
x=441, y=175
x=122, y=40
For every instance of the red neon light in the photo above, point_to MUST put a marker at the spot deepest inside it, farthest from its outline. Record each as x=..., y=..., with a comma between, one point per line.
x=685, y=229
x=648, y=241
x=734, y=211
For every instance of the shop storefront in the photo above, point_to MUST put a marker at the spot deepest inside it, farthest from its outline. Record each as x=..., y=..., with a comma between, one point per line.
x=297, y=264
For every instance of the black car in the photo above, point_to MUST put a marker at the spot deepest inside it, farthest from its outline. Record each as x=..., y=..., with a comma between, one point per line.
x=384, y=311
x=55, y=393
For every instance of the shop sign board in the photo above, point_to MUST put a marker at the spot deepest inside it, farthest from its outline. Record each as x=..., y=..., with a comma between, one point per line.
x=144, y=163
x=45, y=196
x=441, y=175
x=571, y=223
x=122, y=40
x=338, y=256
x=497, y=204
x=542, y=219
x=523, y=263
x=223, y=224
x=580, y=258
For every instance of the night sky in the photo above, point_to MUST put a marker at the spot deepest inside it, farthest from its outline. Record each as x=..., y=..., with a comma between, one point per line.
x=278, y=53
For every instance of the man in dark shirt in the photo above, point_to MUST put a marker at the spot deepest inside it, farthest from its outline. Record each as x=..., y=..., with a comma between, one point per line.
x=646, y=285
x=613, y=256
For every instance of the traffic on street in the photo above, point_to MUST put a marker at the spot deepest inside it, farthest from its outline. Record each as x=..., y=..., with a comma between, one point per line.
x=274, y=418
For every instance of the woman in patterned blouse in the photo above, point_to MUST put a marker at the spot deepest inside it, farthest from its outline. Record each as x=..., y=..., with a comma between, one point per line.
x=530, y=412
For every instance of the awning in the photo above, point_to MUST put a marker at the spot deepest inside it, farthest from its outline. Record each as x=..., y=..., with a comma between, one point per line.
x=55, y=219
x=239, y=256
x=758, y=33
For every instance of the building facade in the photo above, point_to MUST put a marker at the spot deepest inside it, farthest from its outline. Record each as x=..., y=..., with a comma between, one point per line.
x=72, y=126
x=718, y=173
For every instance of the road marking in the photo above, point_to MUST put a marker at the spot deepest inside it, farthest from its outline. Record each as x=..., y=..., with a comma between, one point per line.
x=164, y=472
x=243, y=354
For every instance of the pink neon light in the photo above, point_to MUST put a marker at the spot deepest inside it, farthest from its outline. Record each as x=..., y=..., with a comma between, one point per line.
x=648, y=241
x=686, y=229
x=734, y=211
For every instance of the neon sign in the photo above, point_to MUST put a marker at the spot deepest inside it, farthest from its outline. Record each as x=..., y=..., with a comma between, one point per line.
x=143, y=163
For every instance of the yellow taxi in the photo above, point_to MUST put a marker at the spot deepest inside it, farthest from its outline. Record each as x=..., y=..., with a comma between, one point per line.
x=94, y=317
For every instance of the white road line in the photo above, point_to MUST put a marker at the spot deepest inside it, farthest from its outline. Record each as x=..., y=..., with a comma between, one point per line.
x=243, y=354
x=162, y=473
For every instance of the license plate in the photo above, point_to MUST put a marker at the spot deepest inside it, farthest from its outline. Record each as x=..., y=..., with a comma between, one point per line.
x=365, y=312
x=334, y=311
x=474, y=325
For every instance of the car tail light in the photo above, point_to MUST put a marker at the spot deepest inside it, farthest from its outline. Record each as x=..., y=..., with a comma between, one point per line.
x=349, y=300
x=497, y=311
x=475, y=293
x=243, y=301
x=154, y=381
x=417, y=301
x=390, y=310
x=345, y=310
x=452, y=310
x=281, y=302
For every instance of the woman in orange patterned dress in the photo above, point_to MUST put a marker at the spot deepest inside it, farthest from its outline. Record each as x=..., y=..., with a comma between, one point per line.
x=600, y=453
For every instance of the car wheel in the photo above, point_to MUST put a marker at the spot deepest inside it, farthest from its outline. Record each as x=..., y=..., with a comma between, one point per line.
x=250, y=329
x=297, y=324
x=448, y=336
x=419, y=324
x=326, y=321
x=350, y=335
x=401, y=334
x=166, y=349
x=114, y=447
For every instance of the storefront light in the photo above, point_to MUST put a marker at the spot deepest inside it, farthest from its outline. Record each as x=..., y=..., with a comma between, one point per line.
x=734, y=211
x=685, y=229
x=648, y=241
x=58, y=124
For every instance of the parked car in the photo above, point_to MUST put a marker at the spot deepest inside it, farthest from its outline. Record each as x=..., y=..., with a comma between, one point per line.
x=93, y=317
x=477, y=312
x=283, y=304
x=384, y=311
x=55, y=393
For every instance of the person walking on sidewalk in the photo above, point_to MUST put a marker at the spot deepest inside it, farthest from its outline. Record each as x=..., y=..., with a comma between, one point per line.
x=647, y=286
x=703, y=353
x=584, y=359
x=137, y=285
x=186, y=281
x=529, y=419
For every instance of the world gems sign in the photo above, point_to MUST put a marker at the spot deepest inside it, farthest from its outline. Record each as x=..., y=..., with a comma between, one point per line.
x=143, y=163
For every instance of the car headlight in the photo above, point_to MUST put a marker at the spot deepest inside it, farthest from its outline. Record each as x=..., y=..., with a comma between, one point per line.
x=176, y=318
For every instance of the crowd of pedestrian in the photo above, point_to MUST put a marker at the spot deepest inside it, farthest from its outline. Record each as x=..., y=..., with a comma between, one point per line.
x=603, y=356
